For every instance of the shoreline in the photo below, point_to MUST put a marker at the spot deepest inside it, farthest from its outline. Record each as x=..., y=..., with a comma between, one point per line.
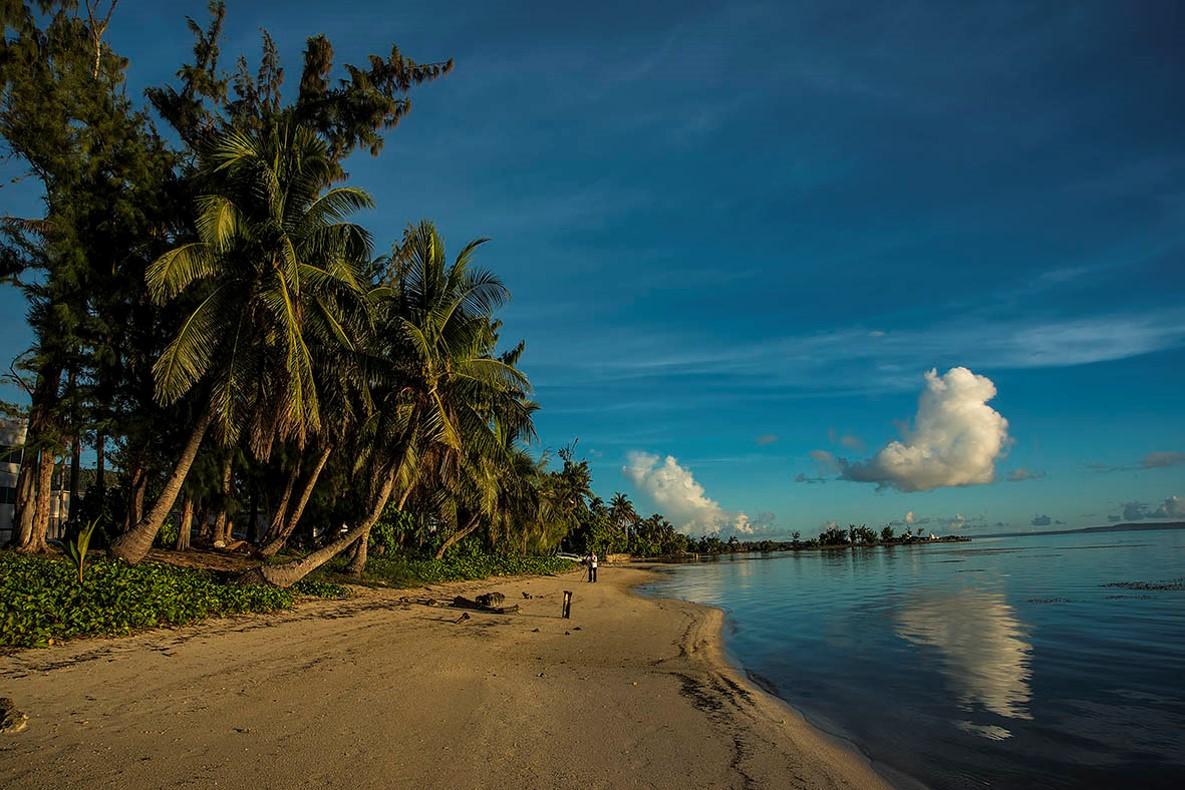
x=764, y=693
x=374, y=692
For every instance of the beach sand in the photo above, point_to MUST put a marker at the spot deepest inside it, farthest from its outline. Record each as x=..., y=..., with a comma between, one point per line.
x=371, y=693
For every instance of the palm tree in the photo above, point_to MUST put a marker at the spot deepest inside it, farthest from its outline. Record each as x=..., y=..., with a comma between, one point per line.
x=273, y=254
x=438, y=387
x=623, y=514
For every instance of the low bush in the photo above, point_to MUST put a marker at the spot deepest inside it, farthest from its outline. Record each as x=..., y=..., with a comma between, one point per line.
x=41, y=598
x=409, y=572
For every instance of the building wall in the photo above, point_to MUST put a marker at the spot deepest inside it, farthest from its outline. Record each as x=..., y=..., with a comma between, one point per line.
x=12, y=440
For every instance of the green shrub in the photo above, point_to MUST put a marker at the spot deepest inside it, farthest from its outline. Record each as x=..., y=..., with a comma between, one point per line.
x=318, y=588
x=41, y=599
x=166, y=536
x=410, y=572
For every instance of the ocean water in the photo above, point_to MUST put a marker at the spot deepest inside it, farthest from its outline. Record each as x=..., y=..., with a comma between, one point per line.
x=1001, y=663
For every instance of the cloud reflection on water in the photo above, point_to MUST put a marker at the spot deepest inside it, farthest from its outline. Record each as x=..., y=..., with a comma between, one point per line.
x=985, y=657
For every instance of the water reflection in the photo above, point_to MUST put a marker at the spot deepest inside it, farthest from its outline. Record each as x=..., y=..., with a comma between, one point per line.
x=985, y=657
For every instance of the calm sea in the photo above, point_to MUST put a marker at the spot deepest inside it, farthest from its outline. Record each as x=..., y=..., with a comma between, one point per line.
x=1002, y=663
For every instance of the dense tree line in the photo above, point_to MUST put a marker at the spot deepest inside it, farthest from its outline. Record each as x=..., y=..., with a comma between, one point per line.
x=214, y=326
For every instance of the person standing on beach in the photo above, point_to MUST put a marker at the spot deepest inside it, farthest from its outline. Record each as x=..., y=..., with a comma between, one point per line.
x=592, y=566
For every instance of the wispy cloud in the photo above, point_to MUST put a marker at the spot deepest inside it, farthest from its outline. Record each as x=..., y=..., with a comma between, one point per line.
x=1021, y=474
x=854, y=360
x=1160, y=460
x=1155, y=460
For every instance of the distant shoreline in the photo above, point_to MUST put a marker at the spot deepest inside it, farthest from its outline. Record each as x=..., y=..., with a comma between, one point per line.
x=1125, y=527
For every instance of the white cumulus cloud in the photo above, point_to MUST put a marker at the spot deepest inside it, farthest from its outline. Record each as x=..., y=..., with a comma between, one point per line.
x=678, y=496
x=956, y=438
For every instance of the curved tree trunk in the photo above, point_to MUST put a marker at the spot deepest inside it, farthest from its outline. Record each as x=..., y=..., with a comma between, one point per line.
x=458, y=536
x=133, y=545
x=273, y=546
x=185, y=529
x=290, y=573
x=280, y=514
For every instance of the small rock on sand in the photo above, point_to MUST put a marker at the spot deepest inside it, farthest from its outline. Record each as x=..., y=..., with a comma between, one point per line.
x=12, y=720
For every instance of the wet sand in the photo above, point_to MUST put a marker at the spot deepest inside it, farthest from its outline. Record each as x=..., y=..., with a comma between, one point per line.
x=375, y=693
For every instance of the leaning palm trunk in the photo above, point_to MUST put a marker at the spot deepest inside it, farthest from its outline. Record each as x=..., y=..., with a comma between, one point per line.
x=458, y=536
x=274, y=544
x=133, y=545
x=290, y=573
x=280, y=513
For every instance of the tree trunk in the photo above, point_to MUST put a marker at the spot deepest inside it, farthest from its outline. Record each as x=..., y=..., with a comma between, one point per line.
x=34, y=541
x=135, y=494
x=133, y=545
x=44, y=397
x=274, y=545
x=202, y=517
x=26, y=486
x=358, y=563
x=458, y=536
x=290, y=573
x=280, y=514
x=222, y=520
x=186, y=527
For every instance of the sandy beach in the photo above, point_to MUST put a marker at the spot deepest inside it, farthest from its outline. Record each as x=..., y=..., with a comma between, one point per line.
x=375, y=693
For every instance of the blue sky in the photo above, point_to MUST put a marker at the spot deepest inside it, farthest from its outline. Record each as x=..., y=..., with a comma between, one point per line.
x=739, y=234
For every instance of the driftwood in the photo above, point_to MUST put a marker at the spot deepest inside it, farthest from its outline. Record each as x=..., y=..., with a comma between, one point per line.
x=405, y=601
x=461, y=602
x=490, y=603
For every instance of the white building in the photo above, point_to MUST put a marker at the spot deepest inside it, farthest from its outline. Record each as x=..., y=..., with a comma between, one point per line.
x=12, y=439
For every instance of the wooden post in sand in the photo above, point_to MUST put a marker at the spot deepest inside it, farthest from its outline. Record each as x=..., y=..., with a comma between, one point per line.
x=567, y=612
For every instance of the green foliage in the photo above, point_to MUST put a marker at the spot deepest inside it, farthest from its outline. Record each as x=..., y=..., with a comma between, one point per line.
x=386, y=531
x=833, y=536
x=401, y=571
x=654, y=536
x=40, y=598
x=166, y=538
x=318, y=588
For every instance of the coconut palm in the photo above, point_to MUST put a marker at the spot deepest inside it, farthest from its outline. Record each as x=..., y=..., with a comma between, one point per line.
x=438, y=382
x=273, y=256
x=623, y=515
